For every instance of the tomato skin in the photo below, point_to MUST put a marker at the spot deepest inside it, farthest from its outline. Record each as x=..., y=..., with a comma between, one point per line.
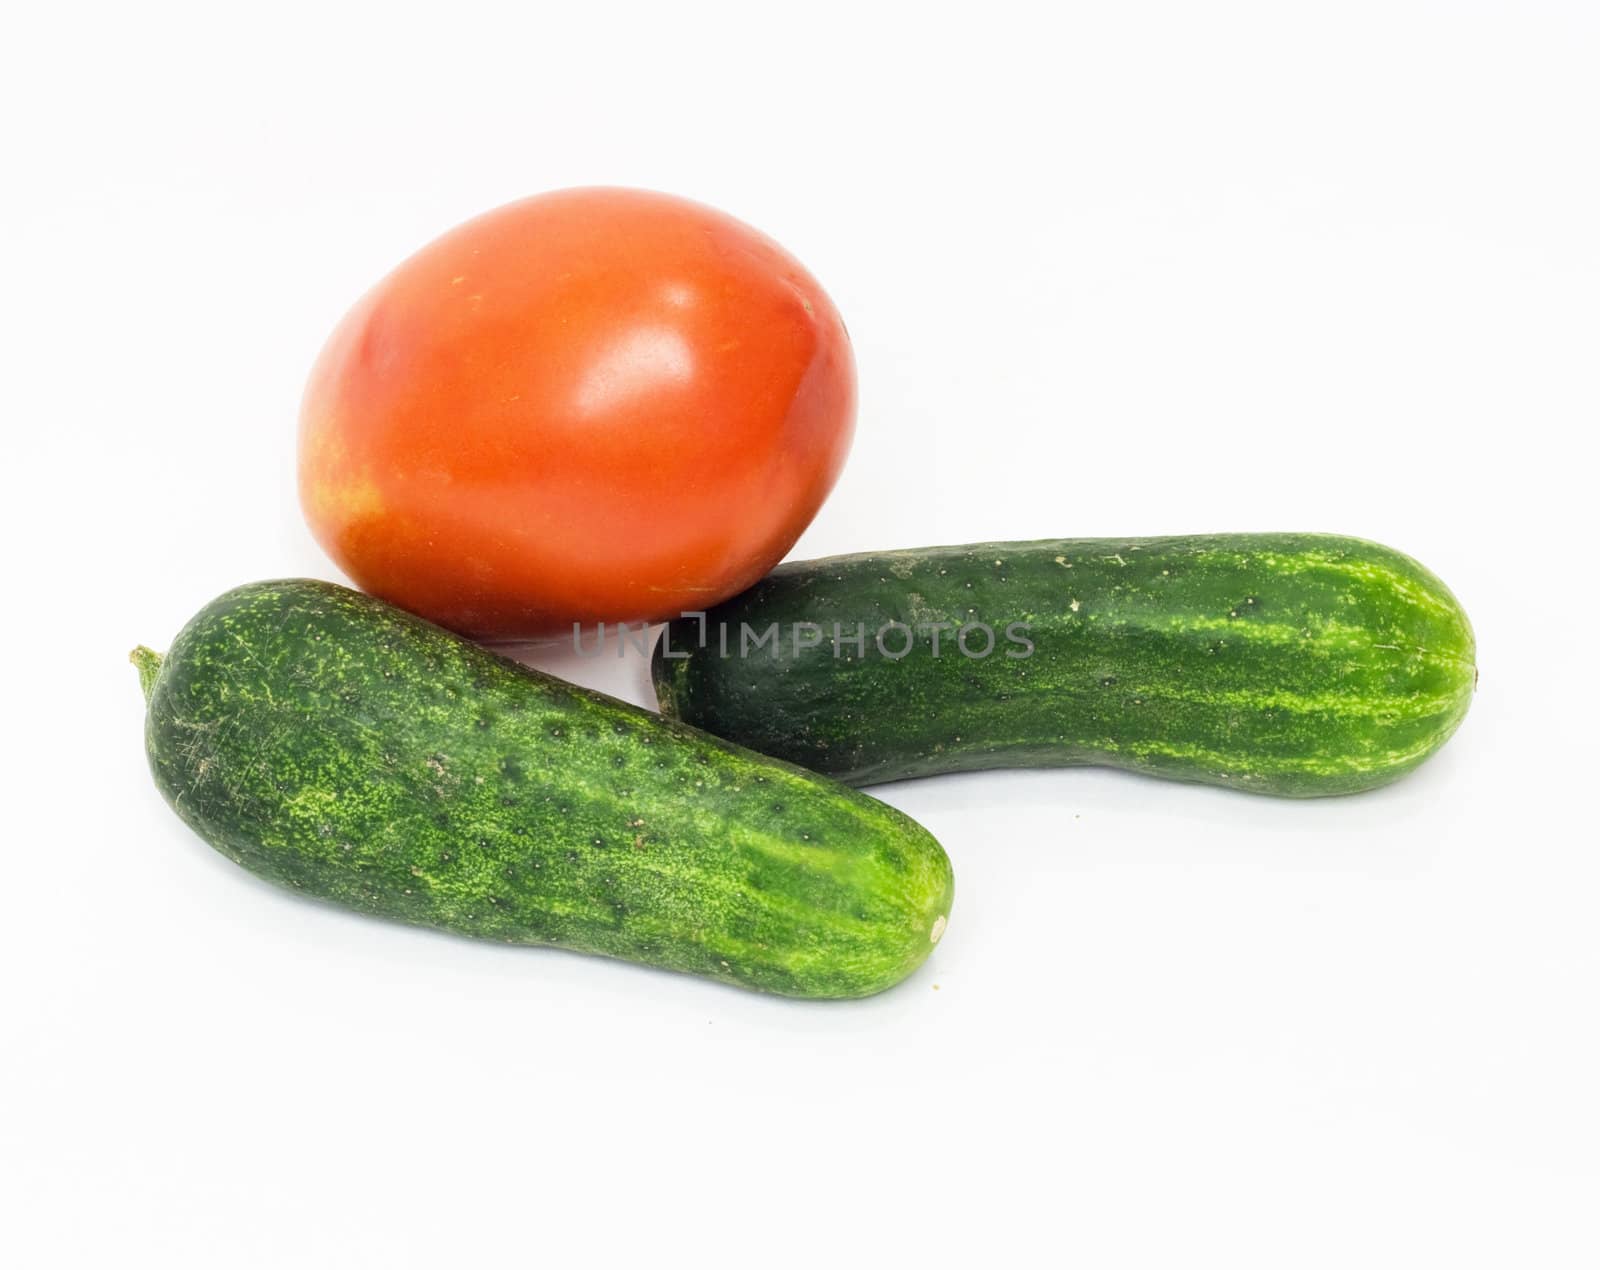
x=591, y=405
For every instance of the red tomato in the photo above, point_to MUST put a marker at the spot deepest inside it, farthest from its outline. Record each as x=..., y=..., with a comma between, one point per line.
x=592, y=405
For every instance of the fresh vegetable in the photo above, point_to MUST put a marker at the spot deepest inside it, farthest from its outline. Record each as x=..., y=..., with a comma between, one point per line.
x=338, y=746
x=593, y=405
x=1296, y=664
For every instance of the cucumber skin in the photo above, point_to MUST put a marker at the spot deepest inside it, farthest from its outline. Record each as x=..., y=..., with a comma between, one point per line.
x=1291, y=664
x=340, y=747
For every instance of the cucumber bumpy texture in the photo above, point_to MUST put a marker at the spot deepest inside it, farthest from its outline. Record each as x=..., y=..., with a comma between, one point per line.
x=347, y=750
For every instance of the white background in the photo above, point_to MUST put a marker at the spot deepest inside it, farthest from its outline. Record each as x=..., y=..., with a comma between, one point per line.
x=1110, y=269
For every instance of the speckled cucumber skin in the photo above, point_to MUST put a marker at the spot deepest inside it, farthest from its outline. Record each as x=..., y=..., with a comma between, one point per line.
x=1289, y=664
x=344, y=749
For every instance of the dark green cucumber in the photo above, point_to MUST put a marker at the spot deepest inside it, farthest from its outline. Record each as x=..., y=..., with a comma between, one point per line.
x=338, y=746
x=1293, y=664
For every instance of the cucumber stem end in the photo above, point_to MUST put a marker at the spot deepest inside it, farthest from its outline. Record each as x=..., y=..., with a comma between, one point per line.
x=149, y=663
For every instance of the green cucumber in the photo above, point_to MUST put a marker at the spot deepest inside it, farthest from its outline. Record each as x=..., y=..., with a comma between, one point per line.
x=347, y=750
x=1291, y=664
